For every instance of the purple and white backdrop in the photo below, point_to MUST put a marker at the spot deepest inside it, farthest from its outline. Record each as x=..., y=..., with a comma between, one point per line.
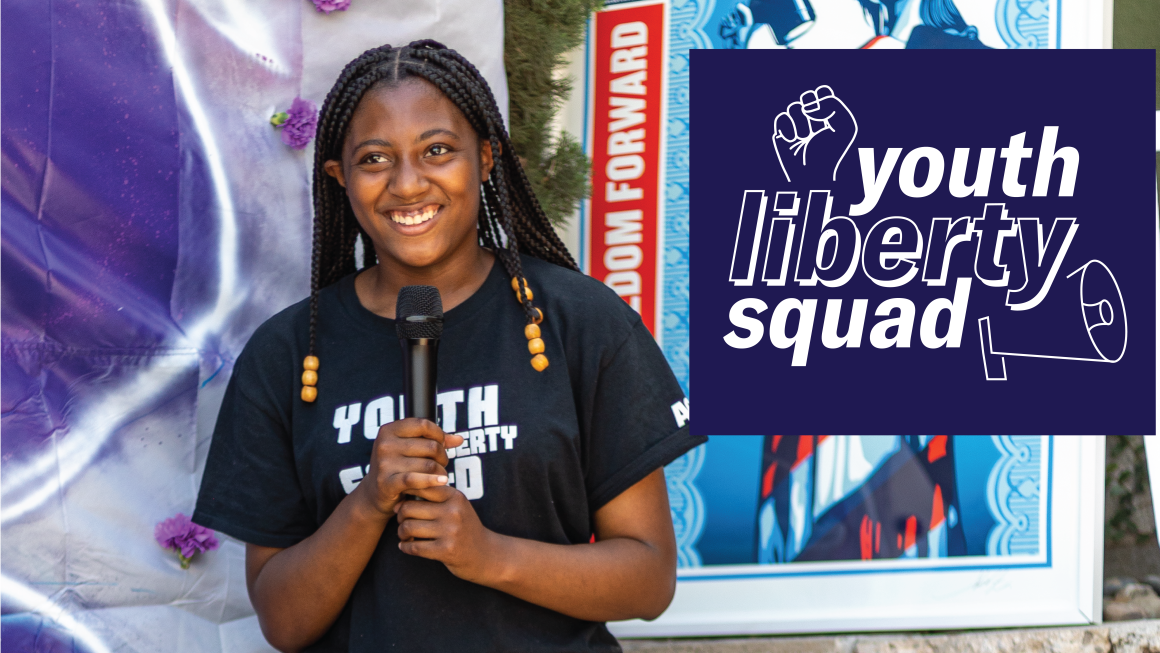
x=152, y=218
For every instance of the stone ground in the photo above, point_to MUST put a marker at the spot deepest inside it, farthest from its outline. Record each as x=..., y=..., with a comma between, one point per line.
x=1121, y=637
x=1126, y=599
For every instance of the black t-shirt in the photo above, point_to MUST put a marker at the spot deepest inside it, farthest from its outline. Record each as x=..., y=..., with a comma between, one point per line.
x=542, y=452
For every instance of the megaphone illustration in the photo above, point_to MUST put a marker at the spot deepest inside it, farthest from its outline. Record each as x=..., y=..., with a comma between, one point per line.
x=1092, y=292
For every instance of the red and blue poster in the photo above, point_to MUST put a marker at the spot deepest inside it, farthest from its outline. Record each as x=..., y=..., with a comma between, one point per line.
x=793, y=533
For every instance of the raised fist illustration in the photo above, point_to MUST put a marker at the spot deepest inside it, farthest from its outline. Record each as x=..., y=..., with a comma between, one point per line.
x=813, y=136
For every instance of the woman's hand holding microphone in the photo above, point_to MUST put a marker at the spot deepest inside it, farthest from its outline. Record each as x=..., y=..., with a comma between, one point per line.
x=410, y=458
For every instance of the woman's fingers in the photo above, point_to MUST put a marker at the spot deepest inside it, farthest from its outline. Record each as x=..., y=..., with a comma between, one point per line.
x=421, y=548
x=437, y=493
x=418, y=438
x=415, y=483
x=390, y=467
x=421, y=448
x=422, y=529
x=418, y=510
x=424, y=465
x=413, y=427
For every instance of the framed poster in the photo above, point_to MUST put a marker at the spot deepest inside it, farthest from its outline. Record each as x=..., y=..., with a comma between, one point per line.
x=781, y=534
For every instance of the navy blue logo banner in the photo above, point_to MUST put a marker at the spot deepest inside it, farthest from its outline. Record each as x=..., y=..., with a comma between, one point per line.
x=923, y=242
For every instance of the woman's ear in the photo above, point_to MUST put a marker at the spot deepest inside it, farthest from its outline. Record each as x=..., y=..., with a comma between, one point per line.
x=486, y=159
x=334, y=169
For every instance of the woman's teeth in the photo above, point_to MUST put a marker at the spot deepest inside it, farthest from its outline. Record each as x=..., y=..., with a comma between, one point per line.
x=415, y=217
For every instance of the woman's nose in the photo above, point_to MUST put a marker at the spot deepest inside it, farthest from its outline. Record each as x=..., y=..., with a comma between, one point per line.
x=408, y=182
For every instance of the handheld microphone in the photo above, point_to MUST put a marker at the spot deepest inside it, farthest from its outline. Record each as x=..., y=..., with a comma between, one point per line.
x=419, y=324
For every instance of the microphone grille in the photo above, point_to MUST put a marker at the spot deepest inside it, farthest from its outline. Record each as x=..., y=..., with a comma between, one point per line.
x=419, y=312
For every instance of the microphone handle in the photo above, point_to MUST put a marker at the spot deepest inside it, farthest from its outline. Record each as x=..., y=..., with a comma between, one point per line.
x=419, y=371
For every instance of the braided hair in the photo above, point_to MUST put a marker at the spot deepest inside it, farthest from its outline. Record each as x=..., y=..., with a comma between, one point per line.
x=510, y=220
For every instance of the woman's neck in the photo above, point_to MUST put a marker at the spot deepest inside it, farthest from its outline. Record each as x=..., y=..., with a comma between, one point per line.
x=378, y=287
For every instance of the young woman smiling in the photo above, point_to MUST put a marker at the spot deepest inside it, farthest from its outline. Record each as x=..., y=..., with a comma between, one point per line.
x=564, y=407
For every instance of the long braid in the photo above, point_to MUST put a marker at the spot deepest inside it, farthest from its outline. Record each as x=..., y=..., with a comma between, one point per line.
x=510, y=217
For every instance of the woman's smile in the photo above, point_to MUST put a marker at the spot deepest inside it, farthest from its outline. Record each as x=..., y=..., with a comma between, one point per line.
x=414, y=217
x=415, y=222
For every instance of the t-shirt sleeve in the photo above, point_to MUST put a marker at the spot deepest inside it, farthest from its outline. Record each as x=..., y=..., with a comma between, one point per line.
x=639, y=419
x=250, y=489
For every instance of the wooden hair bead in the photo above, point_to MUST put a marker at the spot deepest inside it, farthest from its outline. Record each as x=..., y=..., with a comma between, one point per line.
x=309, y=378
x=536, y=346
x=527, y=289
x=540, y=362
x=539, y=316
x=532, y=331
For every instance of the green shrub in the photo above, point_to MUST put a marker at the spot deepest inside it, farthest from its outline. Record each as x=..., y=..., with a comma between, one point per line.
x=537, y=33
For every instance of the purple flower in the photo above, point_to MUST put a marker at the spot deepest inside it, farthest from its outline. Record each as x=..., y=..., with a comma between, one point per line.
x=327, y=6
x=300, y=124
x=185, y=537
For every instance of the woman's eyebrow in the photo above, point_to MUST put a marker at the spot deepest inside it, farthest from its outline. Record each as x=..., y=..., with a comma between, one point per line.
x=373, y=141
x=433, y=132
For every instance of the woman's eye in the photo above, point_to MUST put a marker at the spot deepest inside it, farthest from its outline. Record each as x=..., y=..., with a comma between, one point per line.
x=439, y=150
x=375, y=158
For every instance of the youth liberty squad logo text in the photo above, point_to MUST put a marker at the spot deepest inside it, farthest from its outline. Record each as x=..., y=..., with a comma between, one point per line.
x=809, y=237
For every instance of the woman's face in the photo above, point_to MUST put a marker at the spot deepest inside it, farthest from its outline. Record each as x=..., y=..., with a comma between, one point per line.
x=412, y=166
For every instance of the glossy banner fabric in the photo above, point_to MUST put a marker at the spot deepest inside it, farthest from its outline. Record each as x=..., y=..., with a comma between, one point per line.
x=152, y=218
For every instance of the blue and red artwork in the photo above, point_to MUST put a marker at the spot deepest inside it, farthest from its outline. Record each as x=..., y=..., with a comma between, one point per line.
x=831, y=498
x=866, y=497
